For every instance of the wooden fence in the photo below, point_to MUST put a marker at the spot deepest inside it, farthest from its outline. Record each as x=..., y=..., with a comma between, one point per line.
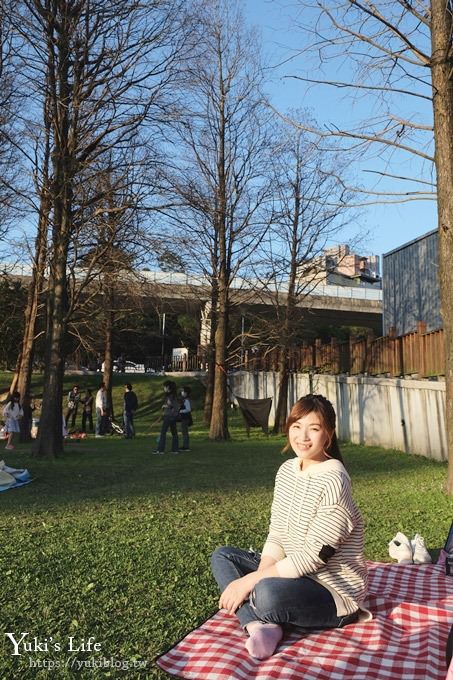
x=419, y=353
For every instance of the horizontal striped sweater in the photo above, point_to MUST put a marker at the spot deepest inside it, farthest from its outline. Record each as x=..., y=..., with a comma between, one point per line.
x=313, y=508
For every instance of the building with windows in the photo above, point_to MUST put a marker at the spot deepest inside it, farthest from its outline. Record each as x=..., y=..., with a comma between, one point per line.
x=338, y=266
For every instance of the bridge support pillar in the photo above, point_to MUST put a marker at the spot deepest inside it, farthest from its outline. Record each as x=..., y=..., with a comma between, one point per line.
x=205, y=326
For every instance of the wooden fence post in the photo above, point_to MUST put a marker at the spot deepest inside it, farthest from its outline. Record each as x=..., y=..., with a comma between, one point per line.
x=368, y=358
x=318, y=353
x=421, y=330
x=334, y=356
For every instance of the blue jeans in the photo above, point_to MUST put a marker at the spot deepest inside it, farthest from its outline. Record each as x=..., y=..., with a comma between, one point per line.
x=102, y=423
x=169, y=422
x=99, y=422
x=185, y=432
x=299, y=602
x=87, y=415
x=128, y=420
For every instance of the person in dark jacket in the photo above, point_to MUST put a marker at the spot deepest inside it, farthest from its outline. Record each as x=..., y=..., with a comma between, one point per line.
x=73, y=405
x=87, y=413
x=185, y=415
x=170, y=413
x=130, y=405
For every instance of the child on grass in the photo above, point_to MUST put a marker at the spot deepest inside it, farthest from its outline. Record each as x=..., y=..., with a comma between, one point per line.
x=311, y=572
x=12, y=413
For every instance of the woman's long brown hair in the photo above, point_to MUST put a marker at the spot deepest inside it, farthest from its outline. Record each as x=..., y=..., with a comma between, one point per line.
x=317, y=403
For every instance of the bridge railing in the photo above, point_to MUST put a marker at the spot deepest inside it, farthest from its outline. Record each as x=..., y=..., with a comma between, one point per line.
x=238, y=283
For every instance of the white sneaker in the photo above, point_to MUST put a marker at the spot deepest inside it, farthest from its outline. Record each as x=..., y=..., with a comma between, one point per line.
x=400, y=549
x=421, y=555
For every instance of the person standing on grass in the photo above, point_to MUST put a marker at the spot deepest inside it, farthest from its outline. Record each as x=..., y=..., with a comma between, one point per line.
x=311, y=572
x=12, y=413
x=73, y=405
x=185, y=414
x=101, y=411
x=87, y=413
x=170, y=414
x=130, y=405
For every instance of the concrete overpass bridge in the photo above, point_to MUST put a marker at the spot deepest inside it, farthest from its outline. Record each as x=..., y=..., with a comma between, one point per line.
x=323, y=305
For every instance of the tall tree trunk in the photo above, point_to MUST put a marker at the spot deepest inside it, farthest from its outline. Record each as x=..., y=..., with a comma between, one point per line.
x=15, y=380
x=209, y=396
x=108, y=351
x=442, y=81
x=49, y=441
x=219, y=420
x=25, y=366
x=22, y=378
x=281, y=411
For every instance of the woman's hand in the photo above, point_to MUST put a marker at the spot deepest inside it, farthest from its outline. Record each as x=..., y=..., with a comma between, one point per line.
x=236, y=593
x=238, y=590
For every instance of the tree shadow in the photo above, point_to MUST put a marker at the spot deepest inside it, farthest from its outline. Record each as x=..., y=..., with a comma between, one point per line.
x=94, y=471
x=116, y=468
x=375, y=461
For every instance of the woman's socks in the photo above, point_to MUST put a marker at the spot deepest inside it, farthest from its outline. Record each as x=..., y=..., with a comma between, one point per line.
x=264, y=638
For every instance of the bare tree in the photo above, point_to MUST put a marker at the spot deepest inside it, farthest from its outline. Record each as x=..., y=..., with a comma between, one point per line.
x=103, y=69
x=403, y=51
x=10, y=179
x=390, y=73
x=309, y=210
x=104, y=251
x=35, y=297
x=218, y=175
x=15, y=194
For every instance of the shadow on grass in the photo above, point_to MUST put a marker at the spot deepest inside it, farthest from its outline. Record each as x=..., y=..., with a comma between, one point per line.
x=96, y=471
x=101, y=470
x=374, y=461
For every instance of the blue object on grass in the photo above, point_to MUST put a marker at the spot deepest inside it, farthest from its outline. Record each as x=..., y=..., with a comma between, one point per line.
x=22, y=477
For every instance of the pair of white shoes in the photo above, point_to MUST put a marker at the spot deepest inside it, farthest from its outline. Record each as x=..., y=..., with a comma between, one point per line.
x=407, y=551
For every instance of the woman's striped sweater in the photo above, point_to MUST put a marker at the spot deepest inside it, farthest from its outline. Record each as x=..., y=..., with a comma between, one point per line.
x=316, y=530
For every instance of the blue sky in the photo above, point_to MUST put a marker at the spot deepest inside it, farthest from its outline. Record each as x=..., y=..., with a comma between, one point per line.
x=387, y=226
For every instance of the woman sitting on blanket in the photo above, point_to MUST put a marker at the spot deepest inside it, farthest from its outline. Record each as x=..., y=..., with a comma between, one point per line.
x=311, y=572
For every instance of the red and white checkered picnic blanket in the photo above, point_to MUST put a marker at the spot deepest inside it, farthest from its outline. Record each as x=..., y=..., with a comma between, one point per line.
x=412, y=610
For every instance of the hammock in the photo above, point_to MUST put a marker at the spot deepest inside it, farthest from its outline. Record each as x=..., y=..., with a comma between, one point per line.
x=255, y=413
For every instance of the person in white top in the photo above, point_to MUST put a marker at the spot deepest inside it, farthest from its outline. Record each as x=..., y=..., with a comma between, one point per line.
x=101, y=411
x=12, y=413
x=311, y=572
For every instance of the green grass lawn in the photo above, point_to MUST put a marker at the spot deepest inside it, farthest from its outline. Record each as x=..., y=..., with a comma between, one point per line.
x=113, y=543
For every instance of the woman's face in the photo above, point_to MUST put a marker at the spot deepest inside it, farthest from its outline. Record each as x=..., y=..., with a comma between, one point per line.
x=308, y=438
